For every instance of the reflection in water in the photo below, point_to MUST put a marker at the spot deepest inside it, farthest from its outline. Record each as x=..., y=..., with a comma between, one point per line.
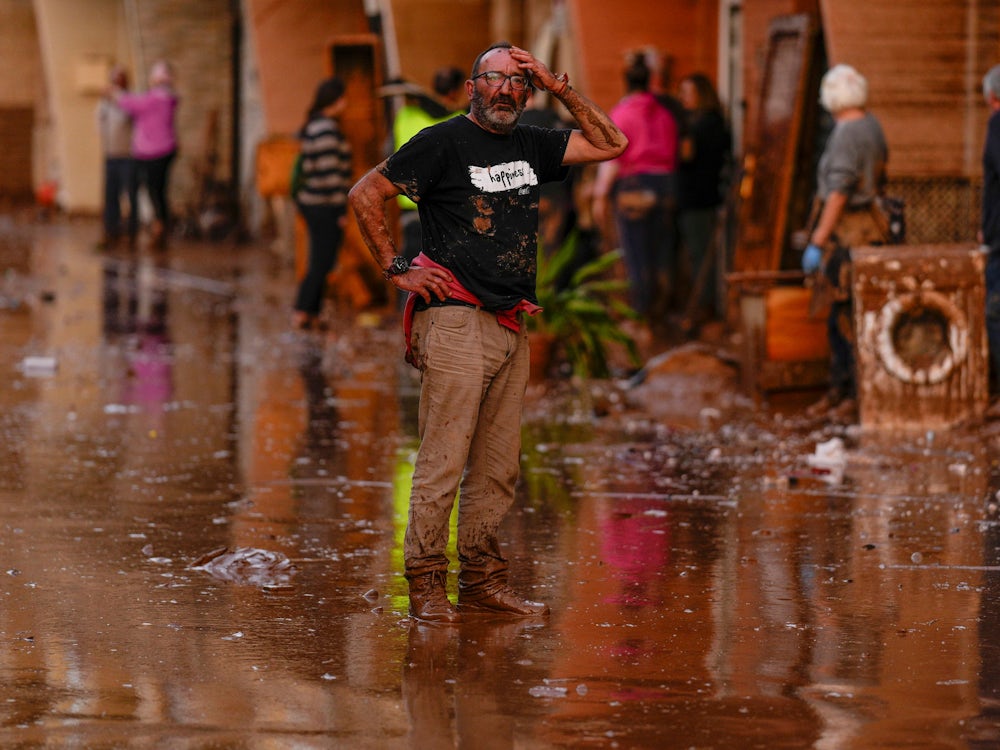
x=984, y=729
x=636, y=544
x=121, y=296
x=700, y=598
x=135, y=302
x=318, y=443
x=457, y=683
x=429, y=678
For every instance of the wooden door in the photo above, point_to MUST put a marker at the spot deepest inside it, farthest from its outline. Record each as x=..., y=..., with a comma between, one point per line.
x=775, y=182
x=16, y=125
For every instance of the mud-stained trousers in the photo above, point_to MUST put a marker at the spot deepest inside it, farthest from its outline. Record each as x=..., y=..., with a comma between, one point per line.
x=473, y=377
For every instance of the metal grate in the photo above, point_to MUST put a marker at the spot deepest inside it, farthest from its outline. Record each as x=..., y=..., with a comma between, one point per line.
x=939, y=209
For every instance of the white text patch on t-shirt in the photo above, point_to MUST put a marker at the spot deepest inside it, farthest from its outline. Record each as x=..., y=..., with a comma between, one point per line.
x=502, y=177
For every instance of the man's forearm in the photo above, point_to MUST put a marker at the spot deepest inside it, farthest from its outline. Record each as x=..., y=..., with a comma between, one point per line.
x=369, y=208
x=596, y=126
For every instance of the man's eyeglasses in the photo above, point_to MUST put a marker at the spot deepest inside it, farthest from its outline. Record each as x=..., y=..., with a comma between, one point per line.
x=495, y=79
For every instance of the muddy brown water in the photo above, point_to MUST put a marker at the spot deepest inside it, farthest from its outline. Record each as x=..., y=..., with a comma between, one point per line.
x=709, y=588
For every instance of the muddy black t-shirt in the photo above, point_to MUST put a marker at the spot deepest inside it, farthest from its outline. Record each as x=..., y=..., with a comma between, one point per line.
x=477, y=194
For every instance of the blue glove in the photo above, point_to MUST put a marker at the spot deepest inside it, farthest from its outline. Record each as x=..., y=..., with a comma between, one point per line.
x=812, y=257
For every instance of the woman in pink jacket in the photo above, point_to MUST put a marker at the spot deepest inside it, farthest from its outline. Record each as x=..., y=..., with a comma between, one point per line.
x=640, y=189
x=154, y=146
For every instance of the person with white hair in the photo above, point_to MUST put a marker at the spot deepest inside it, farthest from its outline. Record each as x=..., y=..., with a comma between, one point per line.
x=154, y=145
x=989, y=234
x=850, y=177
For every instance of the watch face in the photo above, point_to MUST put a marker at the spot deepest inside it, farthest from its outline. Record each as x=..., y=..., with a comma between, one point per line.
x=398, y=265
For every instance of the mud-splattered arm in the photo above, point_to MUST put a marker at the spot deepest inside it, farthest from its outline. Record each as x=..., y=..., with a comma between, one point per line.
x=368, y=200
x=598, y=138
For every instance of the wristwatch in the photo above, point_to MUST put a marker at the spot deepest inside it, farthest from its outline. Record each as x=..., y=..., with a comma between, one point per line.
x=399, y=265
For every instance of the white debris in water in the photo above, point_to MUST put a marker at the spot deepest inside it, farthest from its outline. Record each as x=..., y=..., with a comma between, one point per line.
x=248, y=565
x=36, y=366
x=120, y=409
x=829, y=460
x=547, y=691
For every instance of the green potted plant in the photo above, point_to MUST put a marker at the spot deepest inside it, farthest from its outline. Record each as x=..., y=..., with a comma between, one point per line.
x=581, y=318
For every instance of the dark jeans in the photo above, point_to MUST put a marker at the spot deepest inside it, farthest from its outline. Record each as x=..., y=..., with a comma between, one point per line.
x=993, y=315
x=649, y=243
x=840, y=326
x=325, y=236
x=117, y=182
x=154, y=175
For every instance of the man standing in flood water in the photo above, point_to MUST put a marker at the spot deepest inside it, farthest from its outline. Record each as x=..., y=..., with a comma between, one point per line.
x=475, y=180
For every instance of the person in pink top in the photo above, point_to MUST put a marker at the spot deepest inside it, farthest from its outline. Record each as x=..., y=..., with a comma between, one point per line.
x=641, y=187
x=154, y=145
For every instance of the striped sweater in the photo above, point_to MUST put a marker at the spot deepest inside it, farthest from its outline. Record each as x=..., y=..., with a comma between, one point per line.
x=326, y=164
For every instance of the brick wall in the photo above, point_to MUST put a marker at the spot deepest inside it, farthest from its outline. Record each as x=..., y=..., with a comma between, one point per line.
x=924, y=84
x=196, y=37
x=20, y=72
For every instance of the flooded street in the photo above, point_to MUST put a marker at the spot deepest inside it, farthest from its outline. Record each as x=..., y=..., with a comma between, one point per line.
x=201, y=522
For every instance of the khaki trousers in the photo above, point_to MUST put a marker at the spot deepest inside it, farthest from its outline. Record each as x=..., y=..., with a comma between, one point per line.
x=473, y=377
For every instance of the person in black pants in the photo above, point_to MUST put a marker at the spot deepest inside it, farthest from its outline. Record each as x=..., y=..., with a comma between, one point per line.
x=321, y=197
x=154, y=147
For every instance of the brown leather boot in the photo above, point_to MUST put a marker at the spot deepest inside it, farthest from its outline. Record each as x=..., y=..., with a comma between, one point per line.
x=501, y=600
x=429, y=598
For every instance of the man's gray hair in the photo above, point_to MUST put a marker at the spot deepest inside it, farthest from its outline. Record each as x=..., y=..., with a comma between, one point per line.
x=991, y=83
x=842, y=88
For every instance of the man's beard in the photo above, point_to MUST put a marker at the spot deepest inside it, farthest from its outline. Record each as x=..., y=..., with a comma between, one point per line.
x=496, y=119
